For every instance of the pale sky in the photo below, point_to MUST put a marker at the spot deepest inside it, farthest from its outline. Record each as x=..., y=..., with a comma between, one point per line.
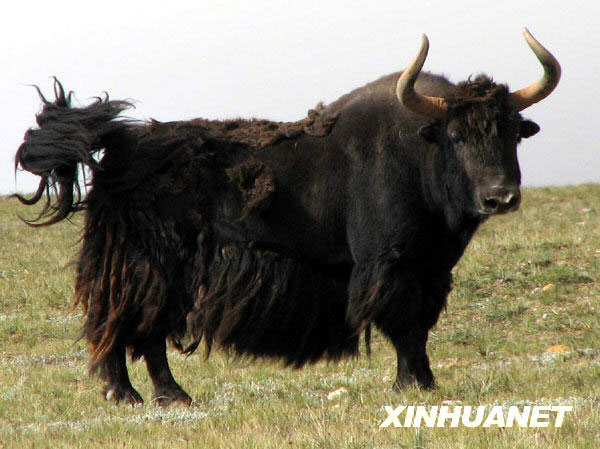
x=274, y=59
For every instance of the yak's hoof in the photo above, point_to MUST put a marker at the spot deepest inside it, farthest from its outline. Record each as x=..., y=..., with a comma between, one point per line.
x=405, y=382
x=402, y=383
x=122, y=394
x=427, y=386
x=164, y=398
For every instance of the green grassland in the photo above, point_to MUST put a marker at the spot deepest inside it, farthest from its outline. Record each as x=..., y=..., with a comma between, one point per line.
x=529, y=282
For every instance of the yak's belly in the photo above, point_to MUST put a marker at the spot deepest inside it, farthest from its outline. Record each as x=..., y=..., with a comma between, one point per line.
x=262, y=303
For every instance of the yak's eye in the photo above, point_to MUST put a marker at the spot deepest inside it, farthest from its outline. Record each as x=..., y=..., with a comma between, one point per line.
x=456, y=136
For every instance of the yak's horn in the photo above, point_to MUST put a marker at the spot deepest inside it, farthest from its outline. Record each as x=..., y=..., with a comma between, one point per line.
x=539, y=90
x=434, y=107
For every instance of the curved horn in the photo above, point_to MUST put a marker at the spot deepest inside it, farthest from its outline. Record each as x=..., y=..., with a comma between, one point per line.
x=434, y=107
x=523, y=98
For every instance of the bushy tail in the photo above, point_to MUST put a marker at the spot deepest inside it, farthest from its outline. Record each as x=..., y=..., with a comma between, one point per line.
x=67, y=138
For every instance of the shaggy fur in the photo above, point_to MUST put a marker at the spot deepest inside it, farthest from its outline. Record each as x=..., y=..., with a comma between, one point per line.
x=262, y=303
x=258, y=133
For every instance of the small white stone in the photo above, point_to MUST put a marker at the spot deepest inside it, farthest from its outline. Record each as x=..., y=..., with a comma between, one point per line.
x=337, y=393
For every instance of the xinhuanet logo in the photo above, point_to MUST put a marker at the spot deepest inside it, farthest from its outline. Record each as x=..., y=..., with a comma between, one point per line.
x=478, y=416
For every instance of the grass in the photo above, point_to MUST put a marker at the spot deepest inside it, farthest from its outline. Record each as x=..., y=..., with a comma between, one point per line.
x=521, y=327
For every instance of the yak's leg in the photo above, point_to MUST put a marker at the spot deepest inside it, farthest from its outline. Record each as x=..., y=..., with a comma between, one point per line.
x=398, y=317
x=388, y=293
x=166, y=390
x=118, y=386
x=413, y=363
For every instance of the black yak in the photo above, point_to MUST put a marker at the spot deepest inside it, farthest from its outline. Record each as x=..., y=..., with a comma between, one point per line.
x=282, y=240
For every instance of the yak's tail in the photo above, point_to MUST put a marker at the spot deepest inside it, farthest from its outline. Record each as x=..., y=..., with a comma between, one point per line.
x=66, y=140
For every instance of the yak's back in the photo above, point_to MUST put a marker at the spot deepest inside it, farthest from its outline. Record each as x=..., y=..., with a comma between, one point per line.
x=255, y=133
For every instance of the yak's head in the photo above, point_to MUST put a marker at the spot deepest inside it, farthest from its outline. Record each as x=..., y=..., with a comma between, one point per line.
x=478, y=129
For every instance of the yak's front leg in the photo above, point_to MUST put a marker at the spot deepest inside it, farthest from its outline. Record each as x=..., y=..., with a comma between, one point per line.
x=113, y=369
x=389, y=294
x=166, y=390
x=413, y=363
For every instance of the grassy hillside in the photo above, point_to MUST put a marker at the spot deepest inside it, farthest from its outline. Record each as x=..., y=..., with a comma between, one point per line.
x=522, y=326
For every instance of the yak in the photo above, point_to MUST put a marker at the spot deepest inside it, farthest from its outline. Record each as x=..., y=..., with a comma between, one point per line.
x=279, y=240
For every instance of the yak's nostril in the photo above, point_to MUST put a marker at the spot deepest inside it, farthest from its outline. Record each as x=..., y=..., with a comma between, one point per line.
x=500, y=200
x=491, y=203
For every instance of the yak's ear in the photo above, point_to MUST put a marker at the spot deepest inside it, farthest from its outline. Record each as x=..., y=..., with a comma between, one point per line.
x=528, y=129
x=429, y=132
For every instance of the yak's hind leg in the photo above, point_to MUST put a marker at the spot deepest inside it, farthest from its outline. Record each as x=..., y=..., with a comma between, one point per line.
x=113, y=369
x=166, y=390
